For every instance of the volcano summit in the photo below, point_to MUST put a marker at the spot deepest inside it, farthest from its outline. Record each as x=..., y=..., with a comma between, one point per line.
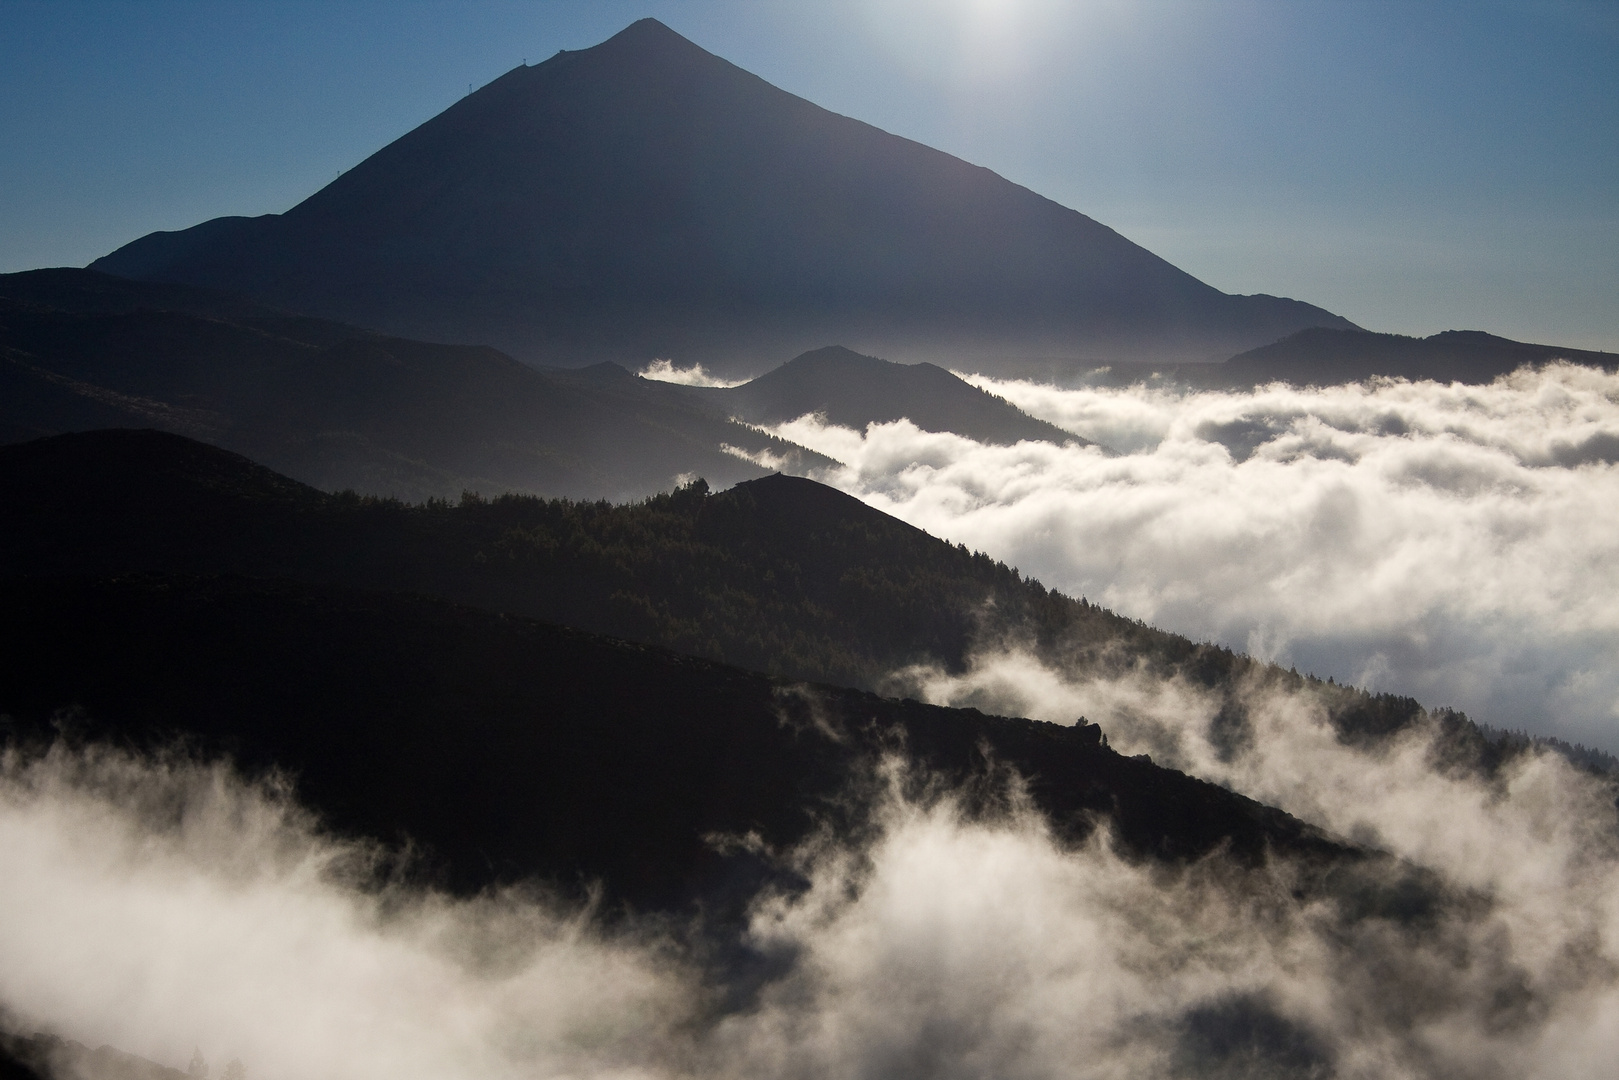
x=646, y=198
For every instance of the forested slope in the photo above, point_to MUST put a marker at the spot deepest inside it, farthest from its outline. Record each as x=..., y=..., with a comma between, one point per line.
x=781, y=575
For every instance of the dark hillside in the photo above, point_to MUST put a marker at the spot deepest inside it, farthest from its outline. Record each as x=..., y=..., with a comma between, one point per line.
x=51, y=1057
x=854, y=391
x=339, y=407
x=90, y=292
x=35, y=402
x=781, y=574
x=512, y=748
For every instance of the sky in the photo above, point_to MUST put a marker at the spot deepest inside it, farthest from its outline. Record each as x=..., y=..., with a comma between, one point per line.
x=1415, y=167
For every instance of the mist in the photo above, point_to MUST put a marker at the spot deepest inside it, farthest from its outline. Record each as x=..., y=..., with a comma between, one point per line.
x=1452, y=543
x=164, y=904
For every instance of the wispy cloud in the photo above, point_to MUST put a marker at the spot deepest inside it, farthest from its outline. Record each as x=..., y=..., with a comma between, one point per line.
x=161, y=904
x=1449, y=542
x=696, y=375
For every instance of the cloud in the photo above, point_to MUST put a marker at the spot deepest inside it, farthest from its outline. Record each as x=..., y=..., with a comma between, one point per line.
x=696, y=375
x=158, y=904
x=1536, y=847
x=954, y=949
x=1449, y=542
x=164, y=905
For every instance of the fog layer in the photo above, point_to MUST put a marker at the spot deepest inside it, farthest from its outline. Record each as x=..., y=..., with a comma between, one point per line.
x=165, y=905
x=1449, y=542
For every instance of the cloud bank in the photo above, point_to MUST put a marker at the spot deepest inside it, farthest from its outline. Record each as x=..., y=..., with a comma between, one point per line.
x=161, y=905
x=1453, y=543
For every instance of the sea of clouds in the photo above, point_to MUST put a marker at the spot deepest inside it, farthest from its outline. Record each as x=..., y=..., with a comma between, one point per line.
x=1452, y=543
x=1446, y=536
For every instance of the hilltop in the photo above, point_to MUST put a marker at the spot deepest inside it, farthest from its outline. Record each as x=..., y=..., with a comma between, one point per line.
x=854, y=390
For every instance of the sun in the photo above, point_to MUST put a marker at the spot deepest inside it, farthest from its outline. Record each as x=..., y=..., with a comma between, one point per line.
x=994, y=39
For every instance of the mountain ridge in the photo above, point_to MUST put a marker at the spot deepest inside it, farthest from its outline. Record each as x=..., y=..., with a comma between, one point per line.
x=155, y=586
x=1327, y=356
x=780, y=574
x=342, y=407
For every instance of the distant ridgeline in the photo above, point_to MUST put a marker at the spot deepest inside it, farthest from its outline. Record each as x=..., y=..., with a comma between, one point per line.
x=1323, y=356
x=853, y=391
x=781, y=574
x=340, y=407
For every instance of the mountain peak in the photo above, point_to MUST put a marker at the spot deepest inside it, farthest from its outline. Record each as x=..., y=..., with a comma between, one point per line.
x=642, y=49
x=645, y=198
x=840, y=355
x=649, y=31
x=853, y=390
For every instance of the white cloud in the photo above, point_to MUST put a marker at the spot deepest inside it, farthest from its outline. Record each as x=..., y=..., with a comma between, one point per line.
x=1454, y=543
x=161, y=905
x=696, y=375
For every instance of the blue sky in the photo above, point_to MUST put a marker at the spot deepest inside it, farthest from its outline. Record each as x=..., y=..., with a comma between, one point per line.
x=1414, y=166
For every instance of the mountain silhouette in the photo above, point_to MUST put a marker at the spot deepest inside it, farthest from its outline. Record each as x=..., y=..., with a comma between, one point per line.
x=341, y=407
x=645, y=198
x=781, y=574
x=854, y=390
x=1327, y=356
x=1324, y=356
